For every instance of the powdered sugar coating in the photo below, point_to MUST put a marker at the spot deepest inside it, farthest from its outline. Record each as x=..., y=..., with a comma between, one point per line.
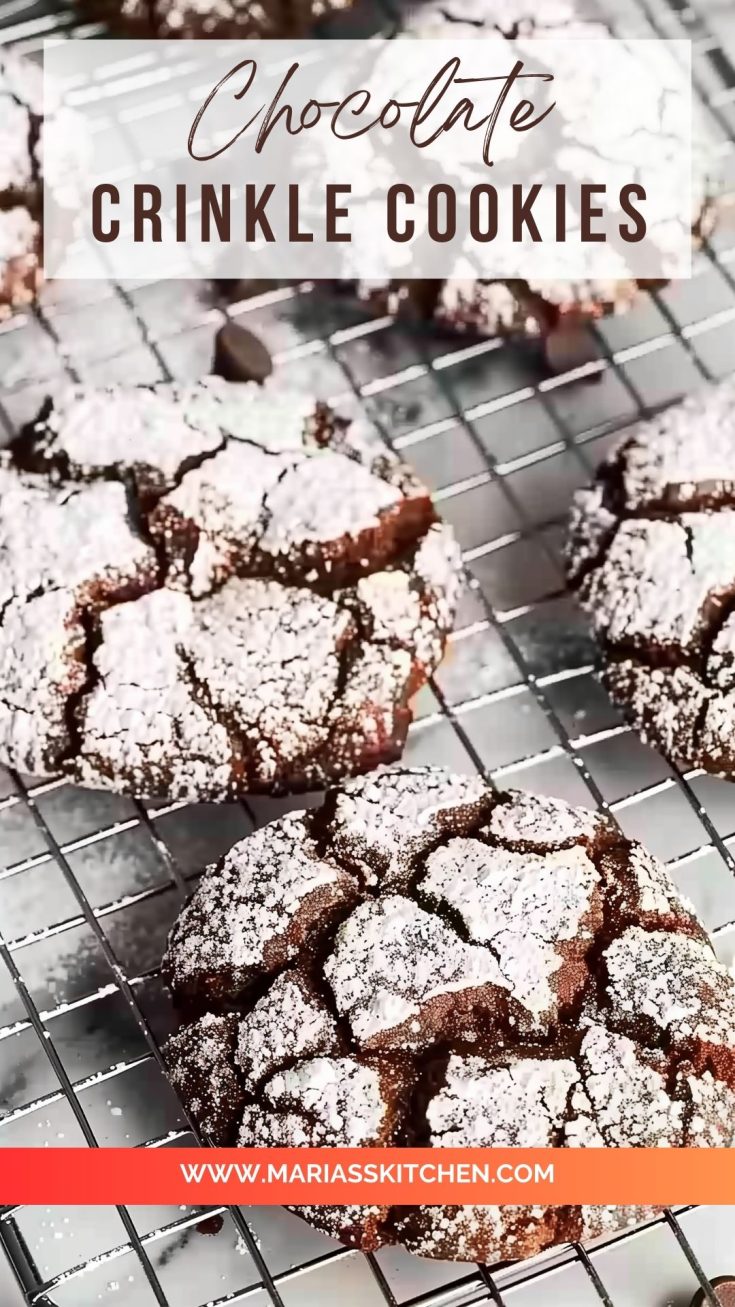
x=203, y=1074
x=516, y=306
x=522, y=1105
x=622, y=1099
x=678, y=984
x=274, y=630
x=287, y=1023
x=243, y=919
x=664, y=467
x=382, y=824
x=16, y=171
x=391, y=961
x=141, y=715
x=534, y=821
x=533, y=910
x=35, y=692
x=323, y=1101
x=652, y=550
x=112, y=429
x=412, y=1006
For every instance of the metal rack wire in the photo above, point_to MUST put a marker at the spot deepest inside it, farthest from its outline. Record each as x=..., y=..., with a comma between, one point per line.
x=89, y=883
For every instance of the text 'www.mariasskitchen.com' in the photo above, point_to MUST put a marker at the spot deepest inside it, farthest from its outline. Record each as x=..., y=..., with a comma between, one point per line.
x=368, y=1173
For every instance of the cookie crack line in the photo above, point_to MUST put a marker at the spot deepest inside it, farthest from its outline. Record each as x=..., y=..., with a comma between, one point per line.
x=651, y=553
x=310, y=976
x=254, y=587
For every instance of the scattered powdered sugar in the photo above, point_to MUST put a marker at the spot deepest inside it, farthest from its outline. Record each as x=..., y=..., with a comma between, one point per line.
x=361, y=1017
x=652, y=549
x=201, y=1071
x=591, y=526
x=674, y=980
x=526, y=906
x=656, y=893
x=712, y=1117
x=120, y=427
x=598, y=1221
x=535, y=821
x=324, y=1101
x=259, y=679
x=35, y=689
x=622, y=1101
x=721, y=662
x=241, y=918
x=667, y=703
x=489, y=306
x=659, y=578
x=390, y=959
x=521, y=1105
x=684, y=452
x=382, y=823
x=394, y=607
x=287, y=1023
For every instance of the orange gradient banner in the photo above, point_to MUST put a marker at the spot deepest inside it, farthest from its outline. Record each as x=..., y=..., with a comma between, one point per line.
x=606, y=1176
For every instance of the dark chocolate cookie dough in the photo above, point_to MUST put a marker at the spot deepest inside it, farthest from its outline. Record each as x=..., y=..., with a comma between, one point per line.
x=652, y=553
x=421, y=961
x=212, y=589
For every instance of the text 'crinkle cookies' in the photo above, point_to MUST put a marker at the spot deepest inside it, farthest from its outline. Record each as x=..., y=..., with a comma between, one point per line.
x=652, y=553
x=212, y=589
x=421, y=962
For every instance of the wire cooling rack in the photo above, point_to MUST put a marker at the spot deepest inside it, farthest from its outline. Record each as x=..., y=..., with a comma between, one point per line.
x=90, y=883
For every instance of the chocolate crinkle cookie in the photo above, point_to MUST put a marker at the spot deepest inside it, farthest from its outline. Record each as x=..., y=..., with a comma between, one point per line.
x=515, y=306
x=34, y=141
x=652, y=553
x=423, y=962
x=212, y=589
x=220, y=19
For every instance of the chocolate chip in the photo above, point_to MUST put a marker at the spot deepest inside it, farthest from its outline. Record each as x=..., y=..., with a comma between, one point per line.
x=724, y=1287
x=210, y=1225
x=239, y=355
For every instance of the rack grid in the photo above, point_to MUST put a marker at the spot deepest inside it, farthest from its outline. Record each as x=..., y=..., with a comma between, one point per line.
x=90, y=883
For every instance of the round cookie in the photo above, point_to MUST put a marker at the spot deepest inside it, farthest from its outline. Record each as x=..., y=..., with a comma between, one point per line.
x=422, y=961
x=515, y=306
x=651, y=551
x=212, y=589
x=33, y=140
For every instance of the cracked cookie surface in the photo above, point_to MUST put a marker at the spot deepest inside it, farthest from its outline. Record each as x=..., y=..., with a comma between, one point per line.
x=212, y=589
x=515, y=306
x=35, y=139
x=651, y=551
x=424, y=962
